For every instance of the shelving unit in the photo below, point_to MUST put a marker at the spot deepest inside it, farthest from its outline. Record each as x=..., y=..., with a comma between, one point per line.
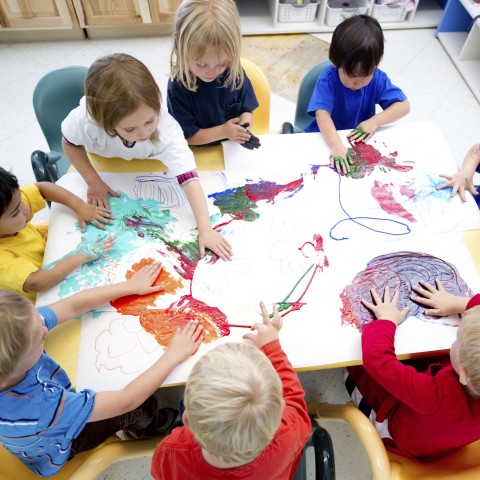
x=460, y=36
x=260, y=17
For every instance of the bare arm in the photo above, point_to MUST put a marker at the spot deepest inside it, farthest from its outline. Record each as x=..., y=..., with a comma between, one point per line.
x=98, y=191
x=84, y=211
x=231, y=130
x=207, y=237
x=183, y=344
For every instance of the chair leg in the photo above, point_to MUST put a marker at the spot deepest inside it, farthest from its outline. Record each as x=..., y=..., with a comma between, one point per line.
x=324, y=458
x=39, y=166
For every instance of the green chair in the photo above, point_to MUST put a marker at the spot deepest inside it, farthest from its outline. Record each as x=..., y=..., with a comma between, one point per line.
x=303, y=99
x=56, y=94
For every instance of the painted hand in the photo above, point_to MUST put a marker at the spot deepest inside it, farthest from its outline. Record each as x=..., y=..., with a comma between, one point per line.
x=94, y=251
x=185, y=342
x=386, y=309
x=216, y=242
x=93, y=214
x=141, y=283
x=253, y=142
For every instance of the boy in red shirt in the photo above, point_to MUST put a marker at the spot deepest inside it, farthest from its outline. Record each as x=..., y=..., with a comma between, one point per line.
x=245, y=414
x=428, y=413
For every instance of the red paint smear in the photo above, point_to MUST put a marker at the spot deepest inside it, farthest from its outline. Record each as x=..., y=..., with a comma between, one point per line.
x=383, y=194
x=348, y=315
x=137, y=304
x=407, y=191
x=269, y=190
x=163, y=323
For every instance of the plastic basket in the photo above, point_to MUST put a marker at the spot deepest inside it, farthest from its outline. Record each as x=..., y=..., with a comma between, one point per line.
x=339, y=10
x=389, y=13
x=297, y=13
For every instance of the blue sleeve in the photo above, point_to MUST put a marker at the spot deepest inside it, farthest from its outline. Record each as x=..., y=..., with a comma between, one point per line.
x=49, y=318
x=323, y=95
x=388, y=93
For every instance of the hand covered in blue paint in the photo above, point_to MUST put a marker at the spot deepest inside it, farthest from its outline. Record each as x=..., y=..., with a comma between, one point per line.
x=386, y=309
x=364, y=131
x=253, y=142
x=441, y=302
x=96, y=250
x=268, y=330
x=216, y=242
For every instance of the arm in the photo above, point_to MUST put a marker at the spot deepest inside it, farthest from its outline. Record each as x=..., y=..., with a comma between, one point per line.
x=84, y=211
x=463, y=179
x=231, y=130
x=207, y=237
x=98, y=191
x=391, y=114
x=338, y=158
x=183, y=344
x=50, y=275
x=140, y=284
x=440, y=301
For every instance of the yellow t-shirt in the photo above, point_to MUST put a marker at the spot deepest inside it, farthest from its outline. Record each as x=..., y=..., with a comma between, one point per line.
x=22, y=254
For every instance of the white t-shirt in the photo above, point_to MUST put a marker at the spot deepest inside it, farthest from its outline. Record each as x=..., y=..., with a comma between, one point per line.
x=172, y=149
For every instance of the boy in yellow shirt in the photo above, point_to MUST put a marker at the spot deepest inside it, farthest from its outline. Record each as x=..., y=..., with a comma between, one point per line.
x=22, y=245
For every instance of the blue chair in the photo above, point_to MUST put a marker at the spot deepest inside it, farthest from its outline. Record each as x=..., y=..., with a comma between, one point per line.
x=303, y=99
x=56, y=94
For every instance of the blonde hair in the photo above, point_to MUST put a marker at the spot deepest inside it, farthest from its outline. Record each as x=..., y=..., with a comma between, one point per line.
x=234, y=403
x=16, y=313
x=201, y=26
x=115, y=86
x=469, y=346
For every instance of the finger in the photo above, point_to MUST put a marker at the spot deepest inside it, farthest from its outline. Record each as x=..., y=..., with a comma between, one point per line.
x=427, y=286
x=439, y=285
x=83, y=225
x=113, y=193
x=386, y=294
x=433, y=312
x=265, y=316
x=443, y=185
x=367, y=304
x=105, y=203
x=395, y=298
x=375, y=296
x=332, y=161
x=404, y=312
x=424, y=293
x=422, y=300
x=98, y=224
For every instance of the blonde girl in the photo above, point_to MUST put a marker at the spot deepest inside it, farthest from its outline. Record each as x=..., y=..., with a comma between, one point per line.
x=120, y=116
x=208, y=93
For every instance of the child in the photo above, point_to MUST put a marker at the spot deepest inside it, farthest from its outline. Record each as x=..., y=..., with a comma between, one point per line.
x=22, y=245
x=44, y=422
x=429, y=413
x=238, y=422
x=346, y=92
x=120, y=116
x=463, y=179
x=209, y=94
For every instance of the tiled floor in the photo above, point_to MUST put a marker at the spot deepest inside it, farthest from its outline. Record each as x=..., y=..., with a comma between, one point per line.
x=414, y=60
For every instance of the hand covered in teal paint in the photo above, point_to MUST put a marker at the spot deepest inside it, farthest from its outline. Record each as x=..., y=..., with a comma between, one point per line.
x=96, y=250
x=386, y=309
x=87, y=212
x=440, y=301
x=268, y=330
x=216, y=242
x=364, y=131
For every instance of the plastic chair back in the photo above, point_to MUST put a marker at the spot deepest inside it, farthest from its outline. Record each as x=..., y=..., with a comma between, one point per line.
x=56, y=94
x=261, y=87
x=305, y=94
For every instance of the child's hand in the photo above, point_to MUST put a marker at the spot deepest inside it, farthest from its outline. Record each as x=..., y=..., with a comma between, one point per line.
x=340, y=160
x=141, y=282
x=235, y=132
x=459, y=182
x=364, y=131
x=440, y=301
x=254, y=141
x=97, y=194
x=386, y=309
x=268, y=331
x=92, y=252
x=216, y=242
x=91, y=213
x=185, y=343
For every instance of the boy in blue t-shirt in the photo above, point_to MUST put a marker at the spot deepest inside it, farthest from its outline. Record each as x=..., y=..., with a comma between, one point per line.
x=44, y=421
x=347, y=92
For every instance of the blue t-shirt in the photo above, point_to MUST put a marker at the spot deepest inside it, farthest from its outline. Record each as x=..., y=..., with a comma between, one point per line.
x=348, y=108
x=211, y=105
x=41, y=415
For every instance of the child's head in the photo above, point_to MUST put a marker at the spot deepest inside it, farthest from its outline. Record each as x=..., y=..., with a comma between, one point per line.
x=206, y=41
x=233, y=402
x=123, y=97
x=14, y=214
x=22, y=334
x=465, y=351
x=357, y=49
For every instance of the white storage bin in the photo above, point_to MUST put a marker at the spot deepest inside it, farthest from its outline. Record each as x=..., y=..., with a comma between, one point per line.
x=297, y=13
x=339, y=10
x=389, y=13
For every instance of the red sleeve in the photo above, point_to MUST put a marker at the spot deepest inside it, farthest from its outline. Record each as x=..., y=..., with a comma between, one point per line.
x=293, y=393
x=474, y=301
x=402, y=381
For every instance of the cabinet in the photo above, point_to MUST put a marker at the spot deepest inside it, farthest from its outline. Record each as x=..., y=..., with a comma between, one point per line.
x=260, y=17
x=459, y=33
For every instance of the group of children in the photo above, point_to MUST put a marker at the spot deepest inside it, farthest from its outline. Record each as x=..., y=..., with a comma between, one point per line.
x=247, y=419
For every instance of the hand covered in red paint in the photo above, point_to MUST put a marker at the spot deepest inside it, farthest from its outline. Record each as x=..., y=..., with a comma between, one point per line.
x=340, y=159
x=268, y=330
x=440, y=301
x=184, y=343
x=386, y=309
x=140, y=283
x=216, y=242
x=364, y=131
